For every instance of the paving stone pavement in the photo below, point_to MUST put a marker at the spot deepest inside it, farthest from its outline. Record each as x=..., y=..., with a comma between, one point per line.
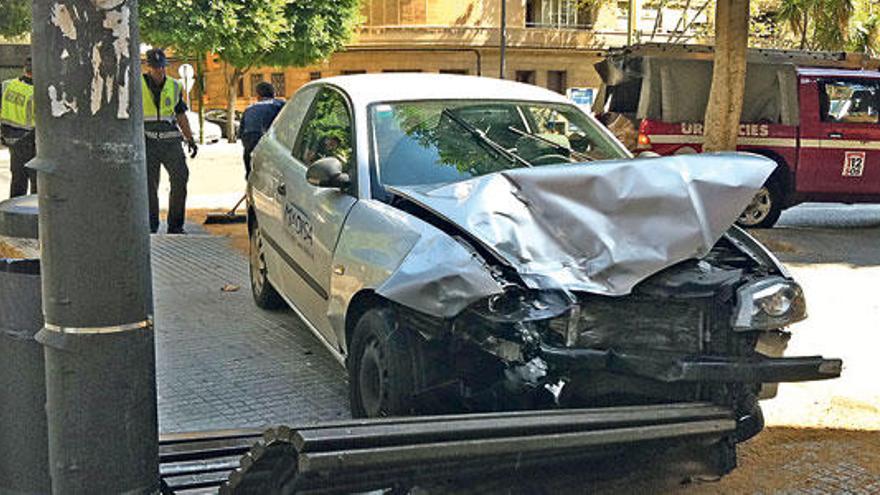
x=223, y=363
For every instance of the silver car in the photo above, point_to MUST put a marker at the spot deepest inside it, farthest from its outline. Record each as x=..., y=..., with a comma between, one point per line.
x=471, y=244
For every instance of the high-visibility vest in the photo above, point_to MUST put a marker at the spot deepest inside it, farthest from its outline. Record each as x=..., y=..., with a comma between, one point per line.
x=168, y=98
x=17, y=108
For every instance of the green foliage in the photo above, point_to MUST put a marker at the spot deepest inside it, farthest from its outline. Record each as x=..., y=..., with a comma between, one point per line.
x=818, y=24
x=236, y=29
x=328, y=133
x=863, y=36
x=15, y=17
x=250, y=33
x=314, y=29
x=425, y=122
x=246, y=33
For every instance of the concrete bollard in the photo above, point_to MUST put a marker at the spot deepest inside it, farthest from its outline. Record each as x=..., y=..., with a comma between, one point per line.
x=24, y=464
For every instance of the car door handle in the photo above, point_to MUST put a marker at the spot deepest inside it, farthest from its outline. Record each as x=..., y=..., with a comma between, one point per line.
x=282, y=190
x=835, y=135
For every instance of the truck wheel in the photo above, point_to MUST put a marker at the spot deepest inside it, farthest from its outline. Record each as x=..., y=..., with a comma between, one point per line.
x=265, y=296
x=765, y=208
x=380, y=370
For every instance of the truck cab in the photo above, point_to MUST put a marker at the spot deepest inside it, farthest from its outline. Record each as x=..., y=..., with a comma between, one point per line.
x=820, y=125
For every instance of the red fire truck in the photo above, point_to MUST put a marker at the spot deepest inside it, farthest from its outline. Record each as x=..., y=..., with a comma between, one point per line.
x=819, y=124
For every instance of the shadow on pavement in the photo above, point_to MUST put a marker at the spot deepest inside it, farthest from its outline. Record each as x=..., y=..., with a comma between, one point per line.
x=818, y=233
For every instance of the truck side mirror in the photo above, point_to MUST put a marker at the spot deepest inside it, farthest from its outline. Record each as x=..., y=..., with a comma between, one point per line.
x=327, y=172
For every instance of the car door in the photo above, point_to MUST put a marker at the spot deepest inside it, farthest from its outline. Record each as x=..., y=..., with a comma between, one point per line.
x=272, y=156
x=313, y=216
x=840, y=142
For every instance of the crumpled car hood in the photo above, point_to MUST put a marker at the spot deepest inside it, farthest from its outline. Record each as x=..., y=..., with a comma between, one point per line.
x=599, y=227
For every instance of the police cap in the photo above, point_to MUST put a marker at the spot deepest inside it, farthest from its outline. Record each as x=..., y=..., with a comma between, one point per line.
x=156, y=58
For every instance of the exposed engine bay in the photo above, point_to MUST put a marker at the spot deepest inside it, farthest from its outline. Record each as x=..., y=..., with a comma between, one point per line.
x=680, y=335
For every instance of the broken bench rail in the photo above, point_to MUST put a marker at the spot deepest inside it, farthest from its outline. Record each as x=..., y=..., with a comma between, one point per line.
x=360, y=455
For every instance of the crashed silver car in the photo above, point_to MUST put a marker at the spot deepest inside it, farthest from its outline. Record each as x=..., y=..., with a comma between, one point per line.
x=470, y=244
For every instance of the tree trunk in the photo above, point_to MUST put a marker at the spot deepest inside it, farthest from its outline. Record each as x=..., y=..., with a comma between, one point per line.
x=231, y=93
x=804, y=31
x=728, y=76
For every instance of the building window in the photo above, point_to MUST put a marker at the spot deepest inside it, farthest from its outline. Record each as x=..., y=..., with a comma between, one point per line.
x=525, y=76
x=461, y=72
x=352, y=72
x=314, y=76
x=557, y=80
x=394, y=12
x=569, y=14
x=278, y=83
x=401, y=70
x=239, y=91
x=255, y=79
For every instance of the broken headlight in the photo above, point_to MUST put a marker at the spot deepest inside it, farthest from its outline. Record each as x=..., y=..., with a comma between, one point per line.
x=769, y=304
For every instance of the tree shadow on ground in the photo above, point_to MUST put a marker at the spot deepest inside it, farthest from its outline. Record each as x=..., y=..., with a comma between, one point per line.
x=818, y=233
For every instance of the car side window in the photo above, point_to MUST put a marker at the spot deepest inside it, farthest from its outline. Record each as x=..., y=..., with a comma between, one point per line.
x=849, y=101
x=327, y=131
x=289, y=121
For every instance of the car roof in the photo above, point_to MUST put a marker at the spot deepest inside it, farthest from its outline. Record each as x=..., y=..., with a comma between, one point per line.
x=817, y=72
x=364, y=89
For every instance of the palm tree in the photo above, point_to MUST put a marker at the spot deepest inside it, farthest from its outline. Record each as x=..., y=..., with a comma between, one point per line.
x=820, y=24
x=863, y=36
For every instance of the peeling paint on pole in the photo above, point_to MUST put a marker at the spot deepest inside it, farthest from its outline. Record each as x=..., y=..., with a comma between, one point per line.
x=63, y=20
x=122, y=112
x=60, y=104
x=97, y=78
x=110, y=69
x=100, y=386
x=117, y=22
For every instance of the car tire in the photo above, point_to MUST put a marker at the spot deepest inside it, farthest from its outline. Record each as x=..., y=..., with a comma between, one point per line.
x=380, y=369
x=265, y=296
x=765, y=208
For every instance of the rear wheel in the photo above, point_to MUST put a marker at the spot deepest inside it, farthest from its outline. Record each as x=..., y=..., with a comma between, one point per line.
x=380, y=369
x=765, y=208
x=265, y=296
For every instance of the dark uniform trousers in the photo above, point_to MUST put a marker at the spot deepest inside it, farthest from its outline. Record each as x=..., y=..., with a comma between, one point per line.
x=168, y=153
x=21, y=152
x=249, y=141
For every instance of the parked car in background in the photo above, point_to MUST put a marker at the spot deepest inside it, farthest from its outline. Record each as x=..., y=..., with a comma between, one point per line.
x=212, y=131
x=218, y=116
x=471, y=244
x=820, y=125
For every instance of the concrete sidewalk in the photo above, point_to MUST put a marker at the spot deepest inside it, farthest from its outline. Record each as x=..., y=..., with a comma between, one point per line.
x=221, y=361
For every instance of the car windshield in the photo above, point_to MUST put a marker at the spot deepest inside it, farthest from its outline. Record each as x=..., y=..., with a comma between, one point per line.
x=428, y=142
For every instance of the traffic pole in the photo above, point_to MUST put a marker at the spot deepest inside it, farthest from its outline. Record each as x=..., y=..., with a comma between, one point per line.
x=97, y=294
x=502, y=71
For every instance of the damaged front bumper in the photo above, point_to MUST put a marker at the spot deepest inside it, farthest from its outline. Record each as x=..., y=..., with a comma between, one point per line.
x=672, y=368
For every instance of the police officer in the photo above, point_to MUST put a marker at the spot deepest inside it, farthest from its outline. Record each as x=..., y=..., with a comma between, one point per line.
x=165, y=126
x=17, y=130
x=256, y=120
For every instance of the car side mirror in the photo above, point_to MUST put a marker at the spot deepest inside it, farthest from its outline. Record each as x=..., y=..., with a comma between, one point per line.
x=327, y=172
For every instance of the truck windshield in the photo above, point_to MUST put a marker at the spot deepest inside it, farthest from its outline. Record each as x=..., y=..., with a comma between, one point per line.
x=428, y=142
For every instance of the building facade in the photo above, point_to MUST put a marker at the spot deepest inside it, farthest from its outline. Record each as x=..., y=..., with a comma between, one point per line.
x=551, y=43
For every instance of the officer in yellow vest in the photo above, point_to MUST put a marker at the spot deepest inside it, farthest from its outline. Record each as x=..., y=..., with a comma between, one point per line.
x=166, y=127
x=17, y=130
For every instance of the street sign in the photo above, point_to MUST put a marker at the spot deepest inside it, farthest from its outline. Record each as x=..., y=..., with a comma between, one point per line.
x=187, y=77
x=582, y=97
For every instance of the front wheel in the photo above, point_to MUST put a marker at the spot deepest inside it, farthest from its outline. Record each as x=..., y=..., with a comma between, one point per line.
x=380, y=370
x=265, y=296
x=765, y=208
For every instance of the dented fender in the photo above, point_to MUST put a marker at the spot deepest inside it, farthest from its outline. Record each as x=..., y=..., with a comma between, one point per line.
x=405, y=260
